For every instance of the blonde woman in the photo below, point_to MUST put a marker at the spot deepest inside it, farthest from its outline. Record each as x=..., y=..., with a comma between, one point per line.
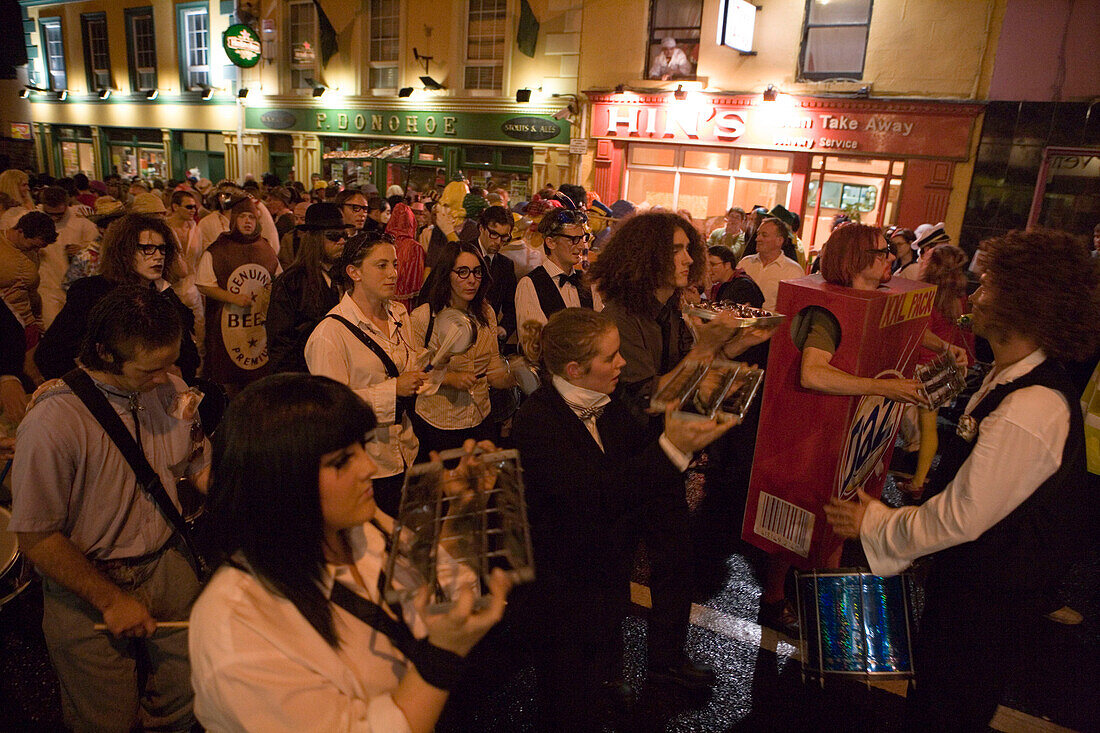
x=16, y=185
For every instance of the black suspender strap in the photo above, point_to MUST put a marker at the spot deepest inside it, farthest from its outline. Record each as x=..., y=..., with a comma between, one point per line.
x=96, y=402
x=439, y=667
x=431, y=326
x=546, y=290
x=403, y=403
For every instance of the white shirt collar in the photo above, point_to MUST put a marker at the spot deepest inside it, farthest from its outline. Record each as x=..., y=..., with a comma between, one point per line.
x=1009, y=374
x=392, y=322
x=579, y=398
x=552, y=269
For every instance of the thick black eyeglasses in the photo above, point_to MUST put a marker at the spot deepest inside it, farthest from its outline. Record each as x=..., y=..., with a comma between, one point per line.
x=465, y=272
x=356, y=208
x=503, y=238
x=881, y=252
x=149, y=250
x=578, y=239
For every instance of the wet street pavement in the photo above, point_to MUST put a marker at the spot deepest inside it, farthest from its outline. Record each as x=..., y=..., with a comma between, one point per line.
x=760, y=685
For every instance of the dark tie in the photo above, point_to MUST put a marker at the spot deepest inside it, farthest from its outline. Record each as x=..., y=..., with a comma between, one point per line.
x=586, y=413
x=574, y=278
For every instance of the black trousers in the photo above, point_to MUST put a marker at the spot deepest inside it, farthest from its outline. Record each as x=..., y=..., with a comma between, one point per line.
x=432, y=438
x=387, y=493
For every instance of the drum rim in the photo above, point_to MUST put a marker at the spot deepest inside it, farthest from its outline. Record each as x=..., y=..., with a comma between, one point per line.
x=8, y=561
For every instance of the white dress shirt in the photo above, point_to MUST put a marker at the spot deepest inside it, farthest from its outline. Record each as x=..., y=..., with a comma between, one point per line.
x=258, y=665
x=53, y=261
x=334, y=351
x=1019, y=446
x=527, y=300
x=581, y=400
x=767, y=276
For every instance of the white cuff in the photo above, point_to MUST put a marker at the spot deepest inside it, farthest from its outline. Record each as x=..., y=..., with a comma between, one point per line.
x=676, y=456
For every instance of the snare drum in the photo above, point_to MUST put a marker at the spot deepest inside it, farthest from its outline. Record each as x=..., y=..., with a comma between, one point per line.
x=854, y=623
x=15, y=572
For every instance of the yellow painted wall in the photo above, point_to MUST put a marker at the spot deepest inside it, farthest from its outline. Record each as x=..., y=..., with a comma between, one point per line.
x=920, y=48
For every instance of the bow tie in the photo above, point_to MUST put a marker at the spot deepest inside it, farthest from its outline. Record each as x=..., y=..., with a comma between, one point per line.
x=574, y=278
x=586, y=413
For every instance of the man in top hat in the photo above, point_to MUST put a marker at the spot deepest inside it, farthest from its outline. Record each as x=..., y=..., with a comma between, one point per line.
x=305, y=292
x=670, y=62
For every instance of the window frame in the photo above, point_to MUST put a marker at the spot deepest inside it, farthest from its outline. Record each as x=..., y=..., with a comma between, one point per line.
x=44, y=26
x=653, y=40
x=133, y=15
x=468, y=63
x=311, y=71
x=183, y=34
x=373, y=64
x=87, y=21
x=807, y=26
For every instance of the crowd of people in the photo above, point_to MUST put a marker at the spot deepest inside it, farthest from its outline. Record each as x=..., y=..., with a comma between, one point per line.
x=318, y=326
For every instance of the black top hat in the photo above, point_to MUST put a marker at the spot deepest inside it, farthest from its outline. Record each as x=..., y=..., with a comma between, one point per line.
x=322, y=216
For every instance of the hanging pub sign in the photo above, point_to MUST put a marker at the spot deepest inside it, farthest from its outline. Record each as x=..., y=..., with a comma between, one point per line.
x=242, y=45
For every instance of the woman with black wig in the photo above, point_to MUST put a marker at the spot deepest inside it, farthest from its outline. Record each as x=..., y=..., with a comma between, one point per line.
x=273, y=646
x=459, y=408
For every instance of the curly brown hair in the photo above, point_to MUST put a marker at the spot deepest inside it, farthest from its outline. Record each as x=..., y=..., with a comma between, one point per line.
x=120, y=242
x=637, y=260
x=1047, y=287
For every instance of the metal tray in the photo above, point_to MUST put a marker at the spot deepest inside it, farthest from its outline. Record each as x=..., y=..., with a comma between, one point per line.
x=708, y=312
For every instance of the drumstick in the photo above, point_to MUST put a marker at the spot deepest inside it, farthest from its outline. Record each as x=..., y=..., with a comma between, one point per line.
x=160, y=625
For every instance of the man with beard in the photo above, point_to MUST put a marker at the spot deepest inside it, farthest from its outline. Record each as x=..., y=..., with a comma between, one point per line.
x=494, y=231
x=305, y=292
x=1012, y=518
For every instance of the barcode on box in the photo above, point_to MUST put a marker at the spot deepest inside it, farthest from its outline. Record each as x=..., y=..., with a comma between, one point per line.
x=784, y=524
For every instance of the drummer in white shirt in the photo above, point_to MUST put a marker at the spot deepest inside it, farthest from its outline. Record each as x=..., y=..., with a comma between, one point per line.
x=366, y=343
x=556, y=284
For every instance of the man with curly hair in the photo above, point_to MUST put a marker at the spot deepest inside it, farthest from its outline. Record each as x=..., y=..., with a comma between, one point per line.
x=1012, y=519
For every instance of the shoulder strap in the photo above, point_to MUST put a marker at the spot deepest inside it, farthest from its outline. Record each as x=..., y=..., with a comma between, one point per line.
x=387, y=363
x=431, y=326
x=96, y=402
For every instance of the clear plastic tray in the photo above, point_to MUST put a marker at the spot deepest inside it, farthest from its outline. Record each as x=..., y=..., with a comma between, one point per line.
x=715, y=390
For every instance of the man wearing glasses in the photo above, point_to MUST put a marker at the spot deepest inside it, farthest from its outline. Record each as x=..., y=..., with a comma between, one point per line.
x=74, y=233
x=353, y=207
x=494, y=227
x=556, y=284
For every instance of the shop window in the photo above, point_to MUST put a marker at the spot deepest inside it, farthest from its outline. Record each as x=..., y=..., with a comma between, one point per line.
x=193, y=21
x=709, y=160
x=673, y=49
x=77, y=157
x=843, y=196
x=385, y=43
x=142, y=48
x=834, y=39
x=56, y=79
x=655, y=188
x=302, y=30
x=477, y=155
x=485, y=42
x=516, y=157
x=429, y=154
x=97, y=56
x=765, y=164
x=662, y=155
x=874, y=166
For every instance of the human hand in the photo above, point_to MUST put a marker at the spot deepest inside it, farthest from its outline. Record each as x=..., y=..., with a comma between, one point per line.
x=960, y=356
x=73, y=248
x=846, y=517
x=461, y=628
x=13, y=400
x=908, y=391
x=746, y=338
x=692, y=434
x=458, y=480
x=243, y=300
x=462, y=381
x=444, y=220
x=409, y=382
x=127, y=616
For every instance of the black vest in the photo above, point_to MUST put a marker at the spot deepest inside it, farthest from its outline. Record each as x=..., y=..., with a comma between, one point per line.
x=1029, y=549
x=549, y=295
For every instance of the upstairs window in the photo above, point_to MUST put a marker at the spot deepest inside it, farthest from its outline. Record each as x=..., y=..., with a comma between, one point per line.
x=673, y=49
x=97, y=56
x=194, y=32
x=56, y=78
x=485, y=42
x=834, y=39
x=142, y=49
x=385, y=42
x=303, y=44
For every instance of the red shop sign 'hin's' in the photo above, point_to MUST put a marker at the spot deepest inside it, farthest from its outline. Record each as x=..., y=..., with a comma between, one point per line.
x=856, y=127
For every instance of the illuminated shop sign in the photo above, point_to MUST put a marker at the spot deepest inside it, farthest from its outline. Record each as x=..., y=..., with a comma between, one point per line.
x=807, y=125
x=405, y=124
x=242, y=45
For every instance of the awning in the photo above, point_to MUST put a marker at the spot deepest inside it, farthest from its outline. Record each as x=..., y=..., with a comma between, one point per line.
x=399, y=150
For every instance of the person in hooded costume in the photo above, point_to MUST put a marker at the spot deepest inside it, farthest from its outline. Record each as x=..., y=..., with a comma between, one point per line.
x=410, y=255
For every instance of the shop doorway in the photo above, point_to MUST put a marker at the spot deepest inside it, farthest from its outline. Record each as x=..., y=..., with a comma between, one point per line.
x=864, y=189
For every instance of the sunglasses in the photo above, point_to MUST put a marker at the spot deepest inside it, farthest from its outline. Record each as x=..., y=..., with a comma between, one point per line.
x=190, y=206
x=465, y=272
x=335, y=235
x=150, y=250
x=881, y=252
